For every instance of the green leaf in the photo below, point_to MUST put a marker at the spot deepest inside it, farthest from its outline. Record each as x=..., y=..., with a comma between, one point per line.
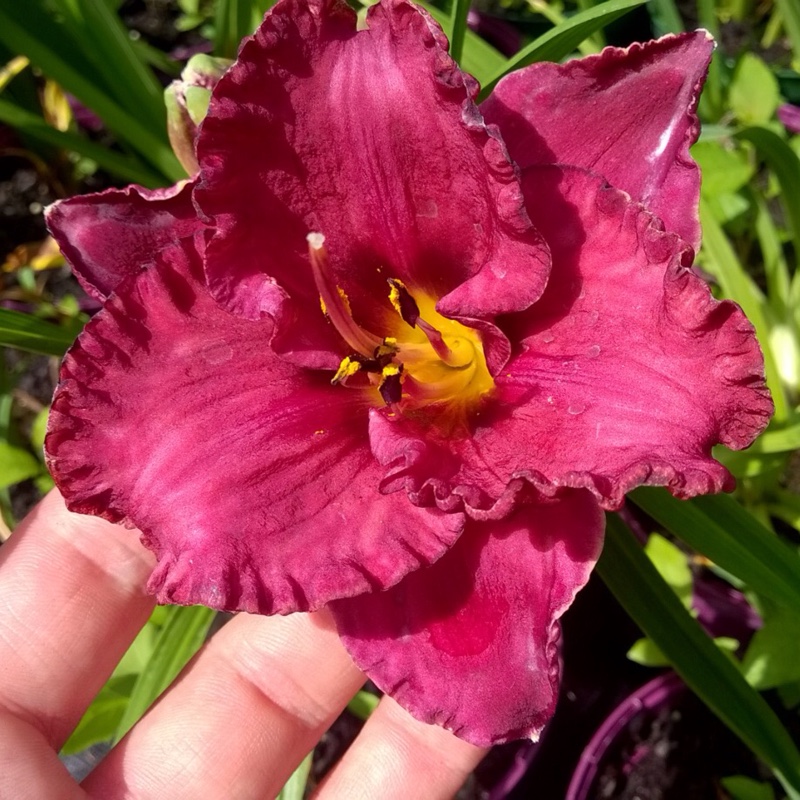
x=108, y=46
x=776, y=270
x=26, y=332
x=38, y=429
x=719, y=257
x=645, y=652
x=740, y=787
x=711, y=102
x=790, y=11
x=295, y=787
x=457, y=29
x=773, y=656
x=102, y=718
x=124, y=167
x=783, y=440
x=711, y=674
x=785, y=165
x=666, y=17
x=234, y=20
x=721, y=529
x=563, y=39
x=20, y=37
x=724, y=169
x=16, y=465
x=184, y=631
x=363, y=704
x=754, y=94
x=648, y=654
x=672, y=565
x=479, y=58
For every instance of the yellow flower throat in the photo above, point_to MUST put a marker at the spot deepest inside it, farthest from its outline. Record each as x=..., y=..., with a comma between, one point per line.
x=428, y=363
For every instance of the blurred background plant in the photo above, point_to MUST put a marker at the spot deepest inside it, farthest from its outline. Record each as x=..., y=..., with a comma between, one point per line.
x=82, y=109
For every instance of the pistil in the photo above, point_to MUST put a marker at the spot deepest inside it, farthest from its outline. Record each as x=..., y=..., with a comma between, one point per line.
x=334, y=301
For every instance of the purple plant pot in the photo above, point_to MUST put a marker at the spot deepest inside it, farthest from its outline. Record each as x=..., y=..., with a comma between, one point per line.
x=653, y=695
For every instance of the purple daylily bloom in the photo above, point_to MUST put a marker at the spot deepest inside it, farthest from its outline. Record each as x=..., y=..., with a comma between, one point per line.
x=789, y=115
x=394, y=353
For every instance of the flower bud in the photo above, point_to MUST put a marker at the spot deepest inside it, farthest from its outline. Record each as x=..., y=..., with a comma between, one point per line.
x=187, y=102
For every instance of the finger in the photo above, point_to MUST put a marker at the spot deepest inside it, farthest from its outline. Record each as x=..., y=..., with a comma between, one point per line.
x=245, y=712
x=71, y=600
x=395, y=755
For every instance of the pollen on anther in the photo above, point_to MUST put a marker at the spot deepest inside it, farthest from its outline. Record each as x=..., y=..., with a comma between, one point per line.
x=348, y=367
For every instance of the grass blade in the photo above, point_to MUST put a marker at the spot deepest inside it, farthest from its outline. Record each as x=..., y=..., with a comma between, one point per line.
x=776, y=270
x=785, y=165
x=233, y=21
x=179, y=639
x=790, y=11
x=110, y=49
x=721, y=529
x=666, y=17
x=26, y=332
x=722, y=262
x=152, y=146
x=34, y=126
x=712, y=675
x=559, y=42
x=479, y=58
x=295, y=787
x=457, y=29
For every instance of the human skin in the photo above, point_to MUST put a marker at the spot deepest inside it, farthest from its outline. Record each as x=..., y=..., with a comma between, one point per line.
x=237, y=721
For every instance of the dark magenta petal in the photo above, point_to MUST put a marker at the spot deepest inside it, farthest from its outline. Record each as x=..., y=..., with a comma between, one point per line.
x=370, y=137
x=251, y=479
x=628, y=115
x=110, y=235
x=472, y=643
x=626, y=372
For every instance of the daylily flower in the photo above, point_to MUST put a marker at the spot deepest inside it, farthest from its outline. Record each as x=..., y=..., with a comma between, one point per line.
x=377, y=357
x=789, y=115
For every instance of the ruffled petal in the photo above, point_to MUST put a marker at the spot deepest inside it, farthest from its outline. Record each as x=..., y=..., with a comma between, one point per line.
x=251, y=479
x=472, y=643
x=628, y=115
x=110, y=235
x=627, y=372
x=370, y=137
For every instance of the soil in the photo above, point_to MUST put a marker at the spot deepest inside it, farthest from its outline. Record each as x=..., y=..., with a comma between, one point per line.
x=675, y=753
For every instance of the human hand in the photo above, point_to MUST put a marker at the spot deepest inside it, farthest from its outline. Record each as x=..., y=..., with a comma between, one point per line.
x=239, y=719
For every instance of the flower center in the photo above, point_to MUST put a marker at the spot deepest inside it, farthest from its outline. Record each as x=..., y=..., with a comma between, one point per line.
x=428, y=364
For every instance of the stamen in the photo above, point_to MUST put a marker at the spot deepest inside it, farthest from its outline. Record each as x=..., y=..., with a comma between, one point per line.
x=335, y=302
x=391, y=388
x=348, y=367
x=406, y=306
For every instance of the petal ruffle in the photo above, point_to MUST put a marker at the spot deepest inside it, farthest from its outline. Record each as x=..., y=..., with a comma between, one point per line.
x=472, y=643
x=372, y=138
x=628, y=115
x=628, y=371
x=251, y=479
x=110, y=235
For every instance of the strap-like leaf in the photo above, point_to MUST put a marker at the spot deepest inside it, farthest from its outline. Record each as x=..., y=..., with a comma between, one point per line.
x=721, y=529
x=181, y=636
x=124, y=167
x=559, y=42
x=712, y=675
x=457, y=28
x=26, y=332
